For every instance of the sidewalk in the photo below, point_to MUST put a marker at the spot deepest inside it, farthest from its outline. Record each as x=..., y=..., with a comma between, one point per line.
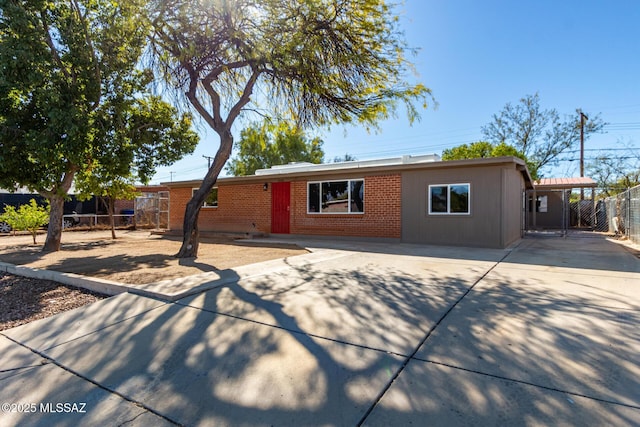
x=351, y=334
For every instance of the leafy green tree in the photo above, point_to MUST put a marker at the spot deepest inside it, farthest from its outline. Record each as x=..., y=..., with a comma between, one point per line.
x=69, y=77
x=315, y=62
x=148, y=134
x=484, y=149
x=29, y=217
x=268, y=144
x=541, y=135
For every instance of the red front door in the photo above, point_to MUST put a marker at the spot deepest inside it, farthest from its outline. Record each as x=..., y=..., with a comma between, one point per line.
x=280, y=207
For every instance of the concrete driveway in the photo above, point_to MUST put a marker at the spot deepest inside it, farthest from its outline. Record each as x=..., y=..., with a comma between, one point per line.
x=545, y=333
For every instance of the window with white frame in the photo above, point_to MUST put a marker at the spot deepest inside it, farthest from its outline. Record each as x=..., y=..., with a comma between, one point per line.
x=449, y=199
x=211, y=201
x=336, y=197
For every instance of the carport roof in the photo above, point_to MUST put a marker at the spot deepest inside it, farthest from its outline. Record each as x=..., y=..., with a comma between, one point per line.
x=565, y=183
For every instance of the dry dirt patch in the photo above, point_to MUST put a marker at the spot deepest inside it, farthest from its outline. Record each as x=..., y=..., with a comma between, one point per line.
x=137, y=257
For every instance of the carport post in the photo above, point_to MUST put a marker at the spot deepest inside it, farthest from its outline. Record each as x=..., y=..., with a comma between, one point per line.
x=534, y=209
x=593, y=208
x=566, y=200
x=579, y=206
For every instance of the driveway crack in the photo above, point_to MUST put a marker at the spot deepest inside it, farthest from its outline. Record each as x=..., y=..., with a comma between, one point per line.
x=97, y=384
x=428, y=335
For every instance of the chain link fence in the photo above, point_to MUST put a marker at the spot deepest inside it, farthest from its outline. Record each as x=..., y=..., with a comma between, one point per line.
x=581, y=214
x=620, y=214
x=152, y=210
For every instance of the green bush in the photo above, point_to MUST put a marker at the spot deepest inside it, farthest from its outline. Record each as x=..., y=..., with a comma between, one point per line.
x=29, y=217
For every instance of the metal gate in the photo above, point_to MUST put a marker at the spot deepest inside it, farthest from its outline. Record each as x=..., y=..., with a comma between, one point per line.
x=152, y=210
x=547, y=211
x=554, y=211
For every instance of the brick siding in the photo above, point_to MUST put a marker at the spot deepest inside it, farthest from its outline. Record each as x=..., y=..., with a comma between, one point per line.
x=247, y=208
x=381, y=217
x=241, y=208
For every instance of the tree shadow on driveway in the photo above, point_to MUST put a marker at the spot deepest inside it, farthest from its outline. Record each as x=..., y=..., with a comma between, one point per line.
x=322, y=344
x=196, y=365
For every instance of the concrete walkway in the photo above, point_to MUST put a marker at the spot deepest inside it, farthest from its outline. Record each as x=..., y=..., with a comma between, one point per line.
x=545, y=333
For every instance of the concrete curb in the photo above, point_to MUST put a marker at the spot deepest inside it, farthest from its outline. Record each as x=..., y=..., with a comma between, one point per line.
x=163, y=290
x=102, y=286
x=172, y=289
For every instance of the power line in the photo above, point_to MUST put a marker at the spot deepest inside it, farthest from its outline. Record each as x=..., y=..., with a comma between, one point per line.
x=622, y=126
x=599, y=158
x=602, y=149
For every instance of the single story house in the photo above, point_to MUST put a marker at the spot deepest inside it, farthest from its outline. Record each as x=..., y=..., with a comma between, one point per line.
x=418, y=199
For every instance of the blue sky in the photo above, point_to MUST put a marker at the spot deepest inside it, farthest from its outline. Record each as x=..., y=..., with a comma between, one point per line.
x=478, y=55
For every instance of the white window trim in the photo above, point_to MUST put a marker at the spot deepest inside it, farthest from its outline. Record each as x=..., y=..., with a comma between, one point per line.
x=448, y=213
x=320, y=196
x=204, y=204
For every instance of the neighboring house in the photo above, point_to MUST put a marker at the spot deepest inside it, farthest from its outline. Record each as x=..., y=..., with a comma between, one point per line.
x=418, y=199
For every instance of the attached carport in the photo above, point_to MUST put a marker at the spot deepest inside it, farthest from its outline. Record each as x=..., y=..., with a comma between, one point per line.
x=549, y=205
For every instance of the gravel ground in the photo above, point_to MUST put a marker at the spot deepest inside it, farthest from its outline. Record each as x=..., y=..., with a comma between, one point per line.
x=23, y=300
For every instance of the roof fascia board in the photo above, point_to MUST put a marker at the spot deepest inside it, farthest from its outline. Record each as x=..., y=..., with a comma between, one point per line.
x=492, y=161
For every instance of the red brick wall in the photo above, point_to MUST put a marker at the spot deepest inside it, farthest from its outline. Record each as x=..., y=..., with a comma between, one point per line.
x=178, y=198
x=240, y=206
x=381, y=217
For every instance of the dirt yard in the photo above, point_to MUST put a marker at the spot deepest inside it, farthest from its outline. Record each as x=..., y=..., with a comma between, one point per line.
x=136, y=257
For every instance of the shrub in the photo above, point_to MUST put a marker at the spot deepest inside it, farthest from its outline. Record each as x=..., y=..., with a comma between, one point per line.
x=29, y=217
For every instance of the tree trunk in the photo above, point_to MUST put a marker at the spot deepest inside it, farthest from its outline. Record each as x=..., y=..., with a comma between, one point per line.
x=56, y=198
x=111, y=210
x=54, y=231
x=190, y=232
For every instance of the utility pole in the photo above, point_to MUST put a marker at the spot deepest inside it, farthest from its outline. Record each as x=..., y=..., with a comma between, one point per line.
x=583, y=118
x=208, y=161
x=171, y=176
